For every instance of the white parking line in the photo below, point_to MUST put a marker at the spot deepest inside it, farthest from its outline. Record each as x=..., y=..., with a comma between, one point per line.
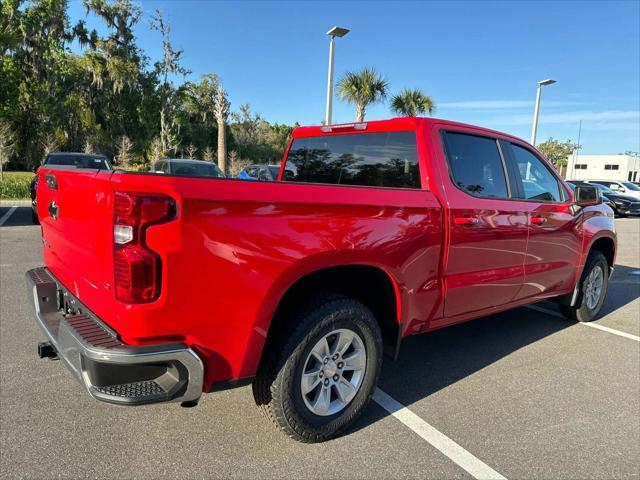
x=474, y=466
x=587, y=324
x=6, y=216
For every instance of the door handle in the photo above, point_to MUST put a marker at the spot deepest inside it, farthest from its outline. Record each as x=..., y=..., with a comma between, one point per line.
x=465, y=220
x=538, y=220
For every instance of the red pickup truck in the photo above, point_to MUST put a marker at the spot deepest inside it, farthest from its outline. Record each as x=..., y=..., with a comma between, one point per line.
x=158, y=288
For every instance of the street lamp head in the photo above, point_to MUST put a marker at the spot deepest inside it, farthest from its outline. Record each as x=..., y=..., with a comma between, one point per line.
x=338, y=32
x=546, y=82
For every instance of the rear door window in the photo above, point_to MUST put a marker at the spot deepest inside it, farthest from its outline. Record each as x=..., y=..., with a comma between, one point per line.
x=369, y=159
x=476, y=165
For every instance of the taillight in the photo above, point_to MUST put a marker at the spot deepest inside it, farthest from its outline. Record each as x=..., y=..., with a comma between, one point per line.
x=137, y=268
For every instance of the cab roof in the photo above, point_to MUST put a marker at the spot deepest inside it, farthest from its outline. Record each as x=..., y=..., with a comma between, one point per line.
x=388, y=125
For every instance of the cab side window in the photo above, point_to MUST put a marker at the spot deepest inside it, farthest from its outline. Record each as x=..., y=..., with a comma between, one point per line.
x=475, y=165
x=538, y=182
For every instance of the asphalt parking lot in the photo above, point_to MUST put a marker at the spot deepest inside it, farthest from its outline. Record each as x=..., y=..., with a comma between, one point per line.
x=524, y=393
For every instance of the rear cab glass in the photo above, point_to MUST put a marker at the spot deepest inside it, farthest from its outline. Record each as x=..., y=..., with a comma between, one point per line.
x=78, y=161
x=384, y=159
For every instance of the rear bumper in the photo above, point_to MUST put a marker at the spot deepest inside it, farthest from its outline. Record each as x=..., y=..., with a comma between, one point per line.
x=110, y=370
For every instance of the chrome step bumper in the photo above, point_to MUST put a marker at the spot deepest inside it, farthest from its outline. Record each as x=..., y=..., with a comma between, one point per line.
x=111, y=370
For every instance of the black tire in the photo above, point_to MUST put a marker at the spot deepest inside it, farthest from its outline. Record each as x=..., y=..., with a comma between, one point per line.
x=34, y=218
x=581, y=311
x=276, y=387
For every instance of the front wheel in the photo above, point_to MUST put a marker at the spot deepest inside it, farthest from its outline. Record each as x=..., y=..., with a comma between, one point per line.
x=593, y=290
x=322, y=379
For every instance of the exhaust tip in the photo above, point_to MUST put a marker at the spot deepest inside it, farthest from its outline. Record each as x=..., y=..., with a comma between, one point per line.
x=189, y=404
x=46, y=350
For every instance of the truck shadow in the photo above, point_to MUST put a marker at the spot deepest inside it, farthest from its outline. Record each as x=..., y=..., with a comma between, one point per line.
x=431, y=362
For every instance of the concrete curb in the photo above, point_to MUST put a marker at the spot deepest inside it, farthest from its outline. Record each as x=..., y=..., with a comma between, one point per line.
x=16, y=203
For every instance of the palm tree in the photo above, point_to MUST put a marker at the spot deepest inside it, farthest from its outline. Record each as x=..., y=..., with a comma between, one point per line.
x=412, y=102
x=362, y=88
x=221, y=111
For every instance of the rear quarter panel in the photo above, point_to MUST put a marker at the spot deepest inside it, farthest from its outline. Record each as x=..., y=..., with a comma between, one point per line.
x=237, y=246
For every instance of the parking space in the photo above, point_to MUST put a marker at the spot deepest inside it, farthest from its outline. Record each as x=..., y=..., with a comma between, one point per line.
x=525, y=393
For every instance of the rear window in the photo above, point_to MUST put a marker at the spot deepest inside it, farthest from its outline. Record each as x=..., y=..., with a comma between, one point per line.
x=370, y=159
x=78, y=161
x=203, y=169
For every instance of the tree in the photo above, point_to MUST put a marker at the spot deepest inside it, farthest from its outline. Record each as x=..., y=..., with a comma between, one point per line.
x=124, y=158
x=362, y=89
x=49, y=143
x=236, y=164
x=155, y=150
x=6, y=145
x=192, y=151
x=88, y=147
x=558, y=152
x=412, y=103
x=170, y=64
x=222, y=112
x=208, y=154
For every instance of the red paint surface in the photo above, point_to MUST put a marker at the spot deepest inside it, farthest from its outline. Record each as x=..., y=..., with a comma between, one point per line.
x=237, y=246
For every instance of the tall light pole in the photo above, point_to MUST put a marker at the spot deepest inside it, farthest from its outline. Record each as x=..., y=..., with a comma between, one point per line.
x=534, y=129
x=334, y=32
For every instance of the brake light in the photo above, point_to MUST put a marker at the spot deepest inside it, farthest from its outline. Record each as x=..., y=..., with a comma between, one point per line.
x=137, y=268
x=343, y=127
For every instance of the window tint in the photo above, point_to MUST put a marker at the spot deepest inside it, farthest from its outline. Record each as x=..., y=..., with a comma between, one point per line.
x=373, y=159
x=78, y=161
x=264, y=175
x=538, y=182
x=203, y=169
x=476, y=166
x=275, y=171
x=611, y=185
x=631, y=186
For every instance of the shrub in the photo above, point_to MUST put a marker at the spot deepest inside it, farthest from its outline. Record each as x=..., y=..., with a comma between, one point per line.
x=15, y=185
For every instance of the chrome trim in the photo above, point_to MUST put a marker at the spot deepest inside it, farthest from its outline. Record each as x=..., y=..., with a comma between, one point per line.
x=75, y=351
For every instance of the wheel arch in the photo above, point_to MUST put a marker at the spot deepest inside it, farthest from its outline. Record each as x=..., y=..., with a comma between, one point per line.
x=369, y=284
x=607, y=246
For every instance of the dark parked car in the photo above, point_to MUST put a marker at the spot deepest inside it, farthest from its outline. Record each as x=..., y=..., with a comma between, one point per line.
x=622, y=205
x=188, y=168
x=621, y=187
x=265, y=173
x=66, y=160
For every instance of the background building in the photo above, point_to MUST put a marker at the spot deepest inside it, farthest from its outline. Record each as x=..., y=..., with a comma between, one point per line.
x=604, y=167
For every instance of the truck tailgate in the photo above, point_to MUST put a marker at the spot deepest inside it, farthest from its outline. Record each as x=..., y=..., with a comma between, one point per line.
x=74, y=207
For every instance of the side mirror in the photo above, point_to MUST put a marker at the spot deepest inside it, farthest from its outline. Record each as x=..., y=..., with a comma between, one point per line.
x=585, y=196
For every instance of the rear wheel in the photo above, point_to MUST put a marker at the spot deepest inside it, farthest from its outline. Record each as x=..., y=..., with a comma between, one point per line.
x=316, y=386
x=593, y=290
